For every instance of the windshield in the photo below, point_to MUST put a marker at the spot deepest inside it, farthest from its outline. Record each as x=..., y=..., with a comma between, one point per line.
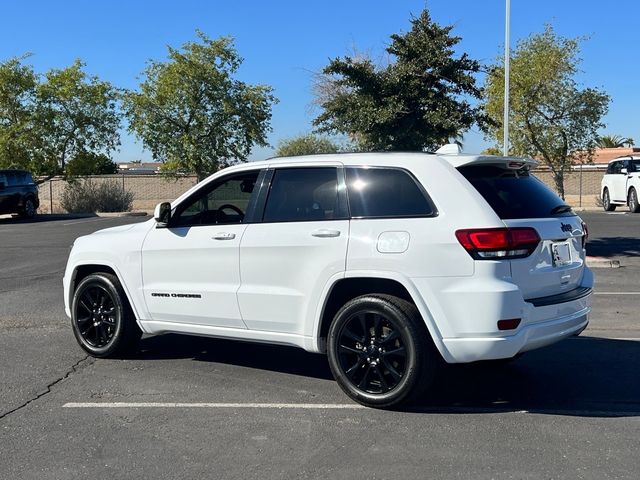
x=515, y=194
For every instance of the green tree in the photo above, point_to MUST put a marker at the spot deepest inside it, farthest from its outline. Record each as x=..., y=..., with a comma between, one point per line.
x=551, y=118
x=191, y=112
x=77, y=114
x=614, y=141
x=88, y=163
x=308, y=144
x=21, y=143
x=416, y=102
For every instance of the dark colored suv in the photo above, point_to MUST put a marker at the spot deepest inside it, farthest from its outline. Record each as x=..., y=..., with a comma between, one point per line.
x=18, y=193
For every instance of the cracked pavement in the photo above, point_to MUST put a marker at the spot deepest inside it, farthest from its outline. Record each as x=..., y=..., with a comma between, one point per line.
x=568, y=411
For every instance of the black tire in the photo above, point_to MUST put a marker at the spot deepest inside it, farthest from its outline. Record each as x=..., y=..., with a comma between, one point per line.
x=606, y=201
x=632, y=201
x=403, y=357
x=28, y=209
x=102, y=320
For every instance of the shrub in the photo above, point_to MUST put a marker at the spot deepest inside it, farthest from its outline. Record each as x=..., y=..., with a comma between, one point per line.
x=89, y=197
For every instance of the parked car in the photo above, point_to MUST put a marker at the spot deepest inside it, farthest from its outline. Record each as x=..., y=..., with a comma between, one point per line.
x=390, y=263
x=18, y=193
x=621, y=184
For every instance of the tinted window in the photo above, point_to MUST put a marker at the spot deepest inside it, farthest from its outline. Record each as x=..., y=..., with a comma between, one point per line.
x=303, y=194
x=13, y=179
x=515, y=193
x=223, y=203
x=610, y=168
x=385, y=192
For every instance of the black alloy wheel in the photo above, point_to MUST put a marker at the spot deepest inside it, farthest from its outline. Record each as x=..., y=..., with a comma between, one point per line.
x=380, y=351
x=29, y=209
x=372, y=353
x=102, y=320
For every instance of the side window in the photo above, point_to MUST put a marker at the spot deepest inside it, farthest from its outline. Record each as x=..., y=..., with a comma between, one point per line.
x=3, y=181
x=12, y=179
x=611, y=168
x=385, y=192
x=617, y=167
x=303, y=194
x=223, y=203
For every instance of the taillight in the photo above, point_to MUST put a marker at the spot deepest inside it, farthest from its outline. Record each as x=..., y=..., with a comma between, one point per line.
x=585, y=235
x=498, y=243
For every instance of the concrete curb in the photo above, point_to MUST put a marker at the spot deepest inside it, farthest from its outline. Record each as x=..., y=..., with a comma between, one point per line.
x=602, y=262
x=122, y=214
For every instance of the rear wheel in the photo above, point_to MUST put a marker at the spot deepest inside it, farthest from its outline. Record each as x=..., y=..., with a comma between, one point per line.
x=29, y=209
x=632, y=201
x=606, y=201
x=380, y=351
x=102, y=320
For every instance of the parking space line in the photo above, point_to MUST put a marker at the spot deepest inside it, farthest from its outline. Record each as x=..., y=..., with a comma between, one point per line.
x=85, y=221
x=302, y=406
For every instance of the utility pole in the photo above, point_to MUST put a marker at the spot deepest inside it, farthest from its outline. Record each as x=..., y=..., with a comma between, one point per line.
x=505, y=122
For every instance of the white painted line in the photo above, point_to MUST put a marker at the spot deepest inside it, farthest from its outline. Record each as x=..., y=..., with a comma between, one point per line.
x=305, y=406
x=616, y=293
x=85, y=221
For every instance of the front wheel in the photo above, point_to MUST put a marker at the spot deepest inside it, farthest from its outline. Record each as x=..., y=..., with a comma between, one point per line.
x=632, y=201
x=380, y=351
x=606, y=201
x=102, y=320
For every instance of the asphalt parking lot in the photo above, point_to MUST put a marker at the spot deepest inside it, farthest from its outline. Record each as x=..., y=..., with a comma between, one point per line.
x=206, y=408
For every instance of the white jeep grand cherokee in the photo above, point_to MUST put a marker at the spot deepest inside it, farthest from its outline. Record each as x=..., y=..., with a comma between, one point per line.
x=389, y=263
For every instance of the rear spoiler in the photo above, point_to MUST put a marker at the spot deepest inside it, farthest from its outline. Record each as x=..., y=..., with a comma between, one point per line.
x=515, y=163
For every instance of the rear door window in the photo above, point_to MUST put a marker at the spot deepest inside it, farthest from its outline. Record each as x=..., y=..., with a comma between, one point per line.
x=515, y=194
x=304, y=195
x=385, y=192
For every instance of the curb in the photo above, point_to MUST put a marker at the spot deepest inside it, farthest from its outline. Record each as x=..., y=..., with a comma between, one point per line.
x=122, y=214
x=602, y=262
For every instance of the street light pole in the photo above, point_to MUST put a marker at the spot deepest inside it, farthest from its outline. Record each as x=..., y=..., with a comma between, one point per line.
x=505, y=122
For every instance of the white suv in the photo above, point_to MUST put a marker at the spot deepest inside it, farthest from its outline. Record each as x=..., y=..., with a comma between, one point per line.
x=621, y=184
x=390, y=263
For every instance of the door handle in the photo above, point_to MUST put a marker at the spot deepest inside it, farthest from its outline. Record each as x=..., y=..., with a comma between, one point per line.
x=325, y=233
x=224, y=236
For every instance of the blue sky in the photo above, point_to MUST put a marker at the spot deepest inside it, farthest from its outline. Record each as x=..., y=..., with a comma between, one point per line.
x=282, y=42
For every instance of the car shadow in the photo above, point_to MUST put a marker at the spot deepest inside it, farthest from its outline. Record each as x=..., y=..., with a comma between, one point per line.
x=8, y=220
x=614, y=247
x=581, y=376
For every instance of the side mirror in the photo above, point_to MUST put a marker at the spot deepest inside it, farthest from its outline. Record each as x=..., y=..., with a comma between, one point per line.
x=624, y=171
x=162, y=214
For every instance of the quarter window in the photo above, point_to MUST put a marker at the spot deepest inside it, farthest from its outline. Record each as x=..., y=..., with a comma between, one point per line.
x=385, y=192
x=224, y=203
x=302, y=195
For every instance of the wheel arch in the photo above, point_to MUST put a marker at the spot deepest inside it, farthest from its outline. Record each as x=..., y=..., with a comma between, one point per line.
x=81, y=271
x=355, y=284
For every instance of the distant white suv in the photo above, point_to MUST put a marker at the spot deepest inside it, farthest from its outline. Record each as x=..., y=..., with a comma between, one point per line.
x=621, y=184
x=390, y=263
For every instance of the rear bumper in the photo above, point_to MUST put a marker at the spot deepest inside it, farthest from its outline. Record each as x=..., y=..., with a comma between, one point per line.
x=528, y=337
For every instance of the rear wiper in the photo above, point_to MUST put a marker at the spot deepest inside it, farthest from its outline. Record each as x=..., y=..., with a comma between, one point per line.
x=560, y=209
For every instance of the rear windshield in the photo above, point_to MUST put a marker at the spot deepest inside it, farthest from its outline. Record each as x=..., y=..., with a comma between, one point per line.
x=515, y=193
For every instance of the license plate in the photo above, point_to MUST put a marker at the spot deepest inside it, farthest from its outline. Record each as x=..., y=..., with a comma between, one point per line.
x=561, y=254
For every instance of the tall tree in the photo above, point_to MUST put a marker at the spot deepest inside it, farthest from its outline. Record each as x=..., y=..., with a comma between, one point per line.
x=77, y=114
x=308, y=144
x=21, y=143
x=614, y=141
x=193, y=114
x=417, y=101
x=551, y=117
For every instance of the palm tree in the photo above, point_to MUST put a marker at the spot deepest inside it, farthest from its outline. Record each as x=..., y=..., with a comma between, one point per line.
x=614, y=141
